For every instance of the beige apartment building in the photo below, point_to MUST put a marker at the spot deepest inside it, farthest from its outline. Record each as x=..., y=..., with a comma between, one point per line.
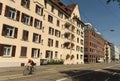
x=40, y=29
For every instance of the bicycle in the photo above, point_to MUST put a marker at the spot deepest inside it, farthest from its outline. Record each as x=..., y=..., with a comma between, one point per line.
x=28, y=70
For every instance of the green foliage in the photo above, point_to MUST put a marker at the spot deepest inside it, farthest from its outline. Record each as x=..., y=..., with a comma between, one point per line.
x=108, y=1
x=52, y=62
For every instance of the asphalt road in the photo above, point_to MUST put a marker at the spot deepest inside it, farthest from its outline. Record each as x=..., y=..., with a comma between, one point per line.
x=84, y=72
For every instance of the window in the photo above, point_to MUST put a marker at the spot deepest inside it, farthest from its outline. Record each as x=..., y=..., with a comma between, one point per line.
x=58, y=23
x=36, y=38
x=9, y=31
x=50, y=19
x=60, y=14
x=77, y=48
x=39, y=10
x=1, y=8
x=77, y=56
x=7, y=50
x=45, y=3
x=51, y=31
x=38, y=23
x=77, y=40
x=35, y=52
x=25, y=3
x=12, y=13
x=57, y=33
x=82, y=42
x=50, y=42
x=49, y=54
x=52, y=9
x=57, y=44
x=25, y=35
x=81, y=49
x=23, y=51
x=26, y=19
x=81, y=56
x=56, y=54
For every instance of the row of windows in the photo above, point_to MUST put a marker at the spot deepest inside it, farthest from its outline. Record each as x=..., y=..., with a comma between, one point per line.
x=53, y=31
x=11, y=32
x=9, y=51
x=79, y=49
x=26, y=19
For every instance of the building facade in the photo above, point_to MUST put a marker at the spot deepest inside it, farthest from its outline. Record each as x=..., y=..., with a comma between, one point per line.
x=40, y=29
x=94, y=45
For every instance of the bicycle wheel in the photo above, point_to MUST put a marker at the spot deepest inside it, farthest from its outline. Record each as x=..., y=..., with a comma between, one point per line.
x=26, y=71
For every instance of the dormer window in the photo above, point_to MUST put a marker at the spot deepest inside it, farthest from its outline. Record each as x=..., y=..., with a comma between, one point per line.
x=25, y=3
x=39, y=10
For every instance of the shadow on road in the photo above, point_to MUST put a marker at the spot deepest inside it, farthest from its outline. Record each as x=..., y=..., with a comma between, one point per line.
x=91, y=75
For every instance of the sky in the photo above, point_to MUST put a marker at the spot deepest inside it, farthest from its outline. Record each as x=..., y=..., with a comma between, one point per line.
x=104, y=17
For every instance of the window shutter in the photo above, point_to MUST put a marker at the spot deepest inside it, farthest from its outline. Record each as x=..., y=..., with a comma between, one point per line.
x=35, y=23
x=40, y=24
x=38, y=53
x=23, y=51
x=36, y=8
x=16, y=31
x=28, y=3
x=34, y=37
x=0, y=8
x=22, y=17
x=22, y=2
x=18, y=15
x=13, y=51
x=39, y=38
x=7, y=11
x=32, y=52
x=1, y=50
x=4, y=30
x=42, y=12
x=51, y=54
x=31, y=21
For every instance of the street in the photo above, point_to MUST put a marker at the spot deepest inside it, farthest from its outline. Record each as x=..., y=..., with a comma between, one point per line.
x=84, y=72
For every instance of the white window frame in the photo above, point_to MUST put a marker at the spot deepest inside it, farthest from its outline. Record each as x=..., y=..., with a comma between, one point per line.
x=35, y=53
x=12, y=14
x=38, y=23
x=37, y=38
x=10, y=32
x=39, y=10
x=60, y=14
x=56, y=54
x=26, y=1
x=26, y=19
x=7, y=51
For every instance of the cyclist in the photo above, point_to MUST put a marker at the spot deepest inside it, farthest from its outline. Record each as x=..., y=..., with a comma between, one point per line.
x=30, y=64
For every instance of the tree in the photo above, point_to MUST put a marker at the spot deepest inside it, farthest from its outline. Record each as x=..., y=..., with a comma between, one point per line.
x=108, y=1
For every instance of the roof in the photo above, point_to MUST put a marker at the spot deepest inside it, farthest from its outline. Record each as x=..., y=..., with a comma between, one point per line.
x=67, y=9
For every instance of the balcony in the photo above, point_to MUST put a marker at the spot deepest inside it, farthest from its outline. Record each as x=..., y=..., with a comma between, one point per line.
x=69, y=36
x=68, y=45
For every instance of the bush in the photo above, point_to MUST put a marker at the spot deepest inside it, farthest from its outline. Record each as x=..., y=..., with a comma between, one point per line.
x=52, y=62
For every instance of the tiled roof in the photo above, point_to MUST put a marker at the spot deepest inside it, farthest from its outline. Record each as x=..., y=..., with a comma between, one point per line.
x=67, y=9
